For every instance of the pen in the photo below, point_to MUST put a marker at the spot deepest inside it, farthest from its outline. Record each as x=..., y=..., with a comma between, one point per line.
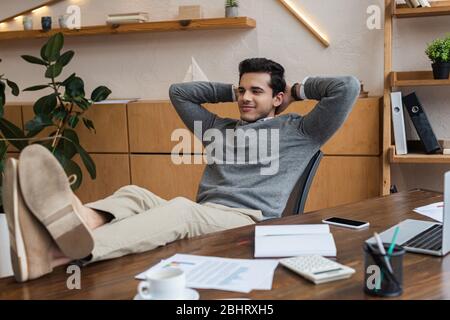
x=382, y=251
x=394, y=240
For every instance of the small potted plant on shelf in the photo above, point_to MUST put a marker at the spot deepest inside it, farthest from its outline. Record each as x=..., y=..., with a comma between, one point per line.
x=231, y=8
x=438, y=52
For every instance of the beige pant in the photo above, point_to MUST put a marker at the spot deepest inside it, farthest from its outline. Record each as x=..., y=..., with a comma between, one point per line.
x=143, y=221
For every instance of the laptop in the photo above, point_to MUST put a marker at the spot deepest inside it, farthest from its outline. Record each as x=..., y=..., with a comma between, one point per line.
x=423, y=236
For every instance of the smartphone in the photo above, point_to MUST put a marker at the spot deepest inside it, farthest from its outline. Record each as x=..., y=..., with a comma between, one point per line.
x=353, y=224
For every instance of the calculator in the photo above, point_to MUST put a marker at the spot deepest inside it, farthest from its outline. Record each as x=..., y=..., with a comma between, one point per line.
x=317, y=268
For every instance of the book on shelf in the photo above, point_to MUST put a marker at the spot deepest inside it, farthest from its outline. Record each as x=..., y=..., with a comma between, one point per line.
x=421, y=123
x=418, y=3
x=134, y=17
x=398, y=122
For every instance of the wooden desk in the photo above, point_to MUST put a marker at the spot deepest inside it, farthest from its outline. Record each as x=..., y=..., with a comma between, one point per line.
x=425, y=277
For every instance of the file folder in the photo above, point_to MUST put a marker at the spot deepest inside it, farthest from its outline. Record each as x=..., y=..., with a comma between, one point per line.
x=421, y=123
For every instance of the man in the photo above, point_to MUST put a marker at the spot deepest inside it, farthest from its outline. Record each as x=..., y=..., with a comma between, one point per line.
x=50, y=227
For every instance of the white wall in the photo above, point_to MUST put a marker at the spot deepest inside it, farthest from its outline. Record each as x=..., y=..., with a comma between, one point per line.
x=144, y=65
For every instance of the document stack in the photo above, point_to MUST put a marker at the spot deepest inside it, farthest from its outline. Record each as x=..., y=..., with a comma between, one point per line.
x=122, y=18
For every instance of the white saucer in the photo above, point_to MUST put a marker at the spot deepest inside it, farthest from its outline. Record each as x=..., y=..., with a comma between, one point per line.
x=189, y=294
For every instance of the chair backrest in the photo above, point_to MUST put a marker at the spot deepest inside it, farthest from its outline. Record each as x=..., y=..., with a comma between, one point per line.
x=297, y=199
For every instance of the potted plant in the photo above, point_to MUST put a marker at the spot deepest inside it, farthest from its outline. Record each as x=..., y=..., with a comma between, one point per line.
x=62, y=108
x=438, y=52
x=231, y=8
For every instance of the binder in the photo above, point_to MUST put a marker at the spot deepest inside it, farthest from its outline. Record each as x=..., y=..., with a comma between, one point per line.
x=421, y=123
x=398, y=122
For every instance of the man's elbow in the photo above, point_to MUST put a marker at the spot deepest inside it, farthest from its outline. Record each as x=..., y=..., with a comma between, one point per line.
x=352, y=87
x=174, y=91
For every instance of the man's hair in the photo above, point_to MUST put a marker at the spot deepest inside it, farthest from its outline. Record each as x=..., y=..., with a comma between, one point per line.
x=263, y=65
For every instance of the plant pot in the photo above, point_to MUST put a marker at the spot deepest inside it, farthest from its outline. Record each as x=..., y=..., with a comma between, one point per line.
x=441, y=70
x=5, y=257
x=231, y=12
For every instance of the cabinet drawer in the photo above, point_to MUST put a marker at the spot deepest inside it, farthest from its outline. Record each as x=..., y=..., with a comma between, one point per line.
x=113, y=172
x=342, y=179
x=359, y=135
x=110, y=121
x=158, y=174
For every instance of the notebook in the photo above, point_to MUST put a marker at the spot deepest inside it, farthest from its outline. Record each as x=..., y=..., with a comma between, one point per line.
x=294, y=240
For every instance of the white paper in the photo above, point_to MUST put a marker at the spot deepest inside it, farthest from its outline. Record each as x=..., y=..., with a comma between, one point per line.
x=299, y=229
x=294, y=240
x=195, y=73
x=238, y=275
x=434, y=211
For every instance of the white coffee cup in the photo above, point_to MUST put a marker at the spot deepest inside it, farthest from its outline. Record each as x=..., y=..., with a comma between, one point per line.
x=27, y=23
x=165, y=284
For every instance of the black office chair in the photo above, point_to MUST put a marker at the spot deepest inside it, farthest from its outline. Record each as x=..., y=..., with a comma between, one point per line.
x=299, y=195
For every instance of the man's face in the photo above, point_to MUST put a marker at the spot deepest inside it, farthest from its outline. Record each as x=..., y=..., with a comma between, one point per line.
x=255, y=97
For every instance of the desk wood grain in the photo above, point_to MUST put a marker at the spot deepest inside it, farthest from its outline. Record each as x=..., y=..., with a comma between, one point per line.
x=425, y=277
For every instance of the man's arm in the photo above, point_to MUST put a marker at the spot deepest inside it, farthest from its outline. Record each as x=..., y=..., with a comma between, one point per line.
x=337, y=96
x=188, y=97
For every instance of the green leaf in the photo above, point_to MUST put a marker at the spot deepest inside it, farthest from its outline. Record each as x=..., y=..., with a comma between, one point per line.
x=14, y=87
x=46, y=104
x=65, y=58
x=75, y=87
x=43, y=56
x=83, y=103
x=11, y=131
x=54, y=46
x=38, y=123
x=60, y=113
x=34, y=60
x=54, y=70
x=68, y=147
x=87, y=160
x=69, y=79
x=89, y=124
x=73, y=120
x=36, y=88
x=101, y=93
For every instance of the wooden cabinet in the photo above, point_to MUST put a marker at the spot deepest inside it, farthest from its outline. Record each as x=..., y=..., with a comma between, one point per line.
x=344, y=179
x=111, y=132
x=160, y=175
x=360, y=134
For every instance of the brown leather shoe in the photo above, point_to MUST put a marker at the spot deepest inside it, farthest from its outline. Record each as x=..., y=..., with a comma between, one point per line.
x=47, y=193
x=30, y=242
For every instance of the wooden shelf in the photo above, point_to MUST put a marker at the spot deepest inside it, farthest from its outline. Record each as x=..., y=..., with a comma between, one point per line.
x=158, y=26
x=416, y=78
x=418, y=158
x=437, y=9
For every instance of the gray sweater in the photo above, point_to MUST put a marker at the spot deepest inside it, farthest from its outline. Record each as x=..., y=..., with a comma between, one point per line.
x=243, y=185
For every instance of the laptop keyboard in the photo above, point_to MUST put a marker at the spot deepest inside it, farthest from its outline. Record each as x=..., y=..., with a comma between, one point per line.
x=430, y=239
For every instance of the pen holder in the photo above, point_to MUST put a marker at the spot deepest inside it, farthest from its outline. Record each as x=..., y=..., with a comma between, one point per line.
x=383, y=275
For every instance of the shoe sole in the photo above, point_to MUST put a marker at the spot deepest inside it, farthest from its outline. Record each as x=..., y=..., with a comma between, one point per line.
x=11, y=206
x=47, y=193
